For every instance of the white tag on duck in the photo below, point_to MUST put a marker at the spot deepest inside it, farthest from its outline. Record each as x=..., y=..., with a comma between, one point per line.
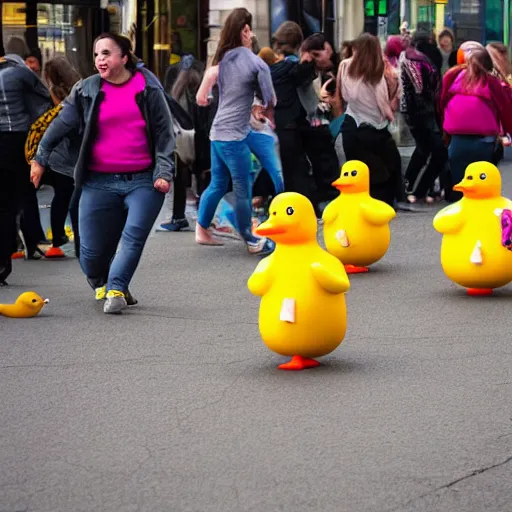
x=476, y=256
x=342, y=238
x=288, y=311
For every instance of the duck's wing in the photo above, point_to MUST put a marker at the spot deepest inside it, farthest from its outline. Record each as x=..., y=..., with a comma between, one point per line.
x=376, y=212
x=332, y=278
x=450, y=219
x=261, y=280
x=330, y=213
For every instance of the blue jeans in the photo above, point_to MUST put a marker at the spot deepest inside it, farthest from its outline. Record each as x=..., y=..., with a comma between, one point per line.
x=230, y=158
x=113, y=207
x=264, y=148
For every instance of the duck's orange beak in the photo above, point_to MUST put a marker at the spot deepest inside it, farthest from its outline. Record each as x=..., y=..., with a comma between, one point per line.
x=268, y=229
x=46, y=301
x=339, y=184
x=463, y=186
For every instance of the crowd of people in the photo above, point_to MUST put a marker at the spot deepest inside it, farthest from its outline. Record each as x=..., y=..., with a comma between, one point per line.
x=230, y=136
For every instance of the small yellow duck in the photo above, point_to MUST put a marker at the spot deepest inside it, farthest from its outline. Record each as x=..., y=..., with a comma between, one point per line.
x=302, y=312
x=356, y=226
x=472, y=254
x=27, y=305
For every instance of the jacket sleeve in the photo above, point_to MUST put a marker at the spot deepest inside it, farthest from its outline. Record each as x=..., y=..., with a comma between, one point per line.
x=64, y=124
x=503, y=97
x=266, y=86
x=36, y=95
x=303, y=73
x=162, y=134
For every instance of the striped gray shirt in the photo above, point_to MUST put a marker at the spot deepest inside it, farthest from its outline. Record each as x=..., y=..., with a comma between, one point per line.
x=241, y=75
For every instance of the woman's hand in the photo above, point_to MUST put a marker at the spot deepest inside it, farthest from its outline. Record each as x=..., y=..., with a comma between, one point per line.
x=162, y=185
x=36, y=173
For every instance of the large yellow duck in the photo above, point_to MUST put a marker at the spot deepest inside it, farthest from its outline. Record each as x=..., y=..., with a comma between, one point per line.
x=27, y=305
x=302, y=311
x=472, y=254
x=356, y=226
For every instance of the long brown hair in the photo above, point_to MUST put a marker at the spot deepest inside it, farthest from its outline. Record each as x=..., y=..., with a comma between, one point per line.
x=61, y=76
x=478, y=70
x=367, y=62
x=288, y=38
x=230, y=37
x=500, y=59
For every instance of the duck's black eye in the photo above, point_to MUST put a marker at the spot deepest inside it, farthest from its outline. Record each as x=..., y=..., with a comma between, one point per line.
x=289, y=210
x=274, y=213
x=469, y=178
x=34, y=300
x=483, y=176
x=354, y=173
x=345, y=174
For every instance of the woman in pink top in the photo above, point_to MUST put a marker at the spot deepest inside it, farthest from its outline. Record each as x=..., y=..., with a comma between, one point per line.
x=125, y=165
x=476, y=108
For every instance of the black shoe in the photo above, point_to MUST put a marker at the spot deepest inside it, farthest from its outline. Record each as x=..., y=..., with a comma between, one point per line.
x=3, y=283
x=59, y=242
x=130, y=299
x=174, y=225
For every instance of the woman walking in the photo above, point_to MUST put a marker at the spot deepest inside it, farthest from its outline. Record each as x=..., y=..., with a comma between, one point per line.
x=371, y=96
x=230, y=152
x=60, y=77
x=125, y=163
x=476, y=109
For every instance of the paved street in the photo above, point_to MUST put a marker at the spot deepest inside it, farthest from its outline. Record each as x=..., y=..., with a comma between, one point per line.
x=177, y=405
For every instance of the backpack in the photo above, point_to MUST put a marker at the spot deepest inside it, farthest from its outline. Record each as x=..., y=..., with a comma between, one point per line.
x=183, y=131
x=37, y=130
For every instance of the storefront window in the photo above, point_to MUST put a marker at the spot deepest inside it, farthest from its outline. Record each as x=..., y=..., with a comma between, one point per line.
x=494, y=18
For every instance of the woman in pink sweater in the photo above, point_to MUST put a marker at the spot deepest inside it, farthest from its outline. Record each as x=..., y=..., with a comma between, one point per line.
x=476, y=108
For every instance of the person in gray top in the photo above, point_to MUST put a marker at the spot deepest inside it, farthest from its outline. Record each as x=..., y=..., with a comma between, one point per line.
x=23, y=98
x=241, y=75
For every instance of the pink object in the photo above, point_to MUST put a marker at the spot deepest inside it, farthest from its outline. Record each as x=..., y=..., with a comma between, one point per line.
x=121, y=143
x=506, y=229
x=471, y=113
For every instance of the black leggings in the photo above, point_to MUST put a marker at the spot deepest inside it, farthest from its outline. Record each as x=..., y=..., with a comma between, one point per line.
x=63, y=187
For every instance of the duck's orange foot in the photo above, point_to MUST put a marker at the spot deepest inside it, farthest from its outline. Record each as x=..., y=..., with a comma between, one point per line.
x=353, y=269
x=18, y=255
x=299, y=363
x=479, y=292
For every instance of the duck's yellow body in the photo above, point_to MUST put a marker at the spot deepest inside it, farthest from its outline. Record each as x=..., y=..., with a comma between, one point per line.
x=356, y=226
x=302, y=311
x=27, y=305
x=472, y=254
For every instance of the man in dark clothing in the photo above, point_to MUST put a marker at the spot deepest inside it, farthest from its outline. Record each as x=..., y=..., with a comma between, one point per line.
x=288, y=75
x=23, y=98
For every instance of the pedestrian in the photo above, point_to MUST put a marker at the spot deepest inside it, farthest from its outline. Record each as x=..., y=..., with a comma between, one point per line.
x=421, y=86
x=125, y=166
x=61, y=77
x=476, y=109
x=23, y=98
x=230, y=152
x=371, y=96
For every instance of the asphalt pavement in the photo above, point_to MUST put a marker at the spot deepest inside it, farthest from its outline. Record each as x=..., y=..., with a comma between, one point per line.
x=177, y=405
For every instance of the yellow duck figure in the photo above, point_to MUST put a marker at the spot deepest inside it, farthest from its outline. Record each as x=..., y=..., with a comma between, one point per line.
x=356, y=226
x=471, y=251
x=302, y=312
x=27, y=305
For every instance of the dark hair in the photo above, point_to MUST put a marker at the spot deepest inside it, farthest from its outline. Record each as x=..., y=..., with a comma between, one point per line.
x=446, y=32
x=479, y=67
x=288, y=38
x=348, y=45
x=188, y=81
x=17, y=46
x=367, y=62
x=230, y=37
x=61, y=76
x=315, y=42
x=36, y=53
x=124, y=44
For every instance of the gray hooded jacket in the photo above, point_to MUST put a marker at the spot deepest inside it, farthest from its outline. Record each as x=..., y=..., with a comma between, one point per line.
x=23, y=97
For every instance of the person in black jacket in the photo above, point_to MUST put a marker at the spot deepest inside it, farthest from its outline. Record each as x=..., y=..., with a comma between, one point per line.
x=288, y=74
x=421, y=83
